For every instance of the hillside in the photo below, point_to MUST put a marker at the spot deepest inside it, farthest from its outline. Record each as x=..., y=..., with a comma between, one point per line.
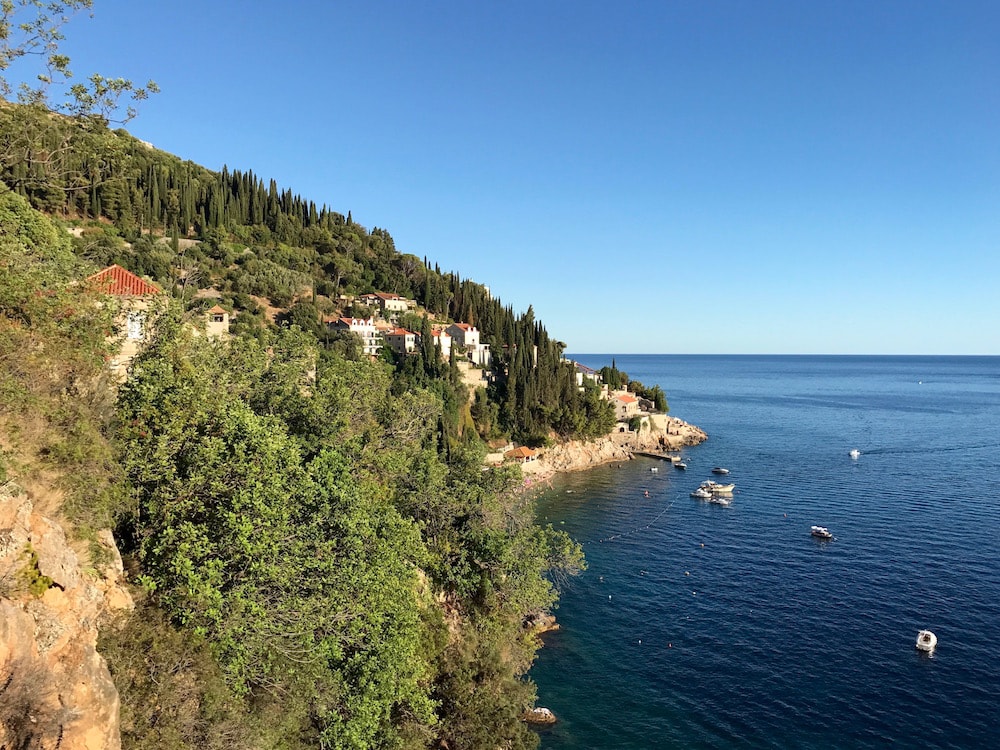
x=317, y=556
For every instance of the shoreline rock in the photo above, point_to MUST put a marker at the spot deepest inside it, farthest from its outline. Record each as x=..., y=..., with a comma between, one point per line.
x=539, y=715
x=619, y=446
x=542, y=622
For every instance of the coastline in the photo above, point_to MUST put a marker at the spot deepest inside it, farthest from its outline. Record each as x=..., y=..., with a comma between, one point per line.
x=618, y=446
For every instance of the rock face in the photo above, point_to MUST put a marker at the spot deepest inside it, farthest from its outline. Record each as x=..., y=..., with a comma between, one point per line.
x=540, y=715
x=55, y=689
x=618, y=446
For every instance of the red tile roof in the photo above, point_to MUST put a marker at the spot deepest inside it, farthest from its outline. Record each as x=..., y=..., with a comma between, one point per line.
x=116, y=281
x=520, y=452
x=626, y=399
x=218, y=309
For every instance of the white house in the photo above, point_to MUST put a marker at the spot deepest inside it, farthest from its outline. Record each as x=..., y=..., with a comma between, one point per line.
x=586, y=373
x=217, y=322
x=401, y=341
x=139, y=303
x=626, y=405
x=443, y=339
x=389, y=304
x=371, y=341
x=467, y=336
x=464, y=334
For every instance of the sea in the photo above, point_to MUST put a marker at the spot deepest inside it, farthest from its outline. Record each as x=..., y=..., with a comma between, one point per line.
x=702, y=626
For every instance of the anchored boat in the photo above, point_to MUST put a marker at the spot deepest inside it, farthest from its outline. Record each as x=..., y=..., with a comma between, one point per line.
x=926, y=640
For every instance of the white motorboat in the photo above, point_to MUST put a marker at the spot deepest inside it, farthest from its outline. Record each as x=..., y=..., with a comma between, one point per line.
x=720, y=470
x=926, y=640
x=680, y=466
x=821, y=532
x=854, y=453
x=653, y=469
x=702, y=494
x=718, y=489
x=721, y=499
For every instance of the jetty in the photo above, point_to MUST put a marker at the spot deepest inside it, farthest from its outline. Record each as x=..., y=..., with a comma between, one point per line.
x=671, y=457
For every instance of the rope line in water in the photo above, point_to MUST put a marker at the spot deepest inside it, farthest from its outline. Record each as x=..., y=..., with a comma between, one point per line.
x=637, y=529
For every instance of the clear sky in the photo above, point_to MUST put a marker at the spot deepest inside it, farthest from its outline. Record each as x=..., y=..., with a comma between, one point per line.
x=704, y=176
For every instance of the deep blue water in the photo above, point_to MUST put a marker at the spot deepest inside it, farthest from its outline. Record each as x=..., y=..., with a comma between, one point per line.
x=701, y=626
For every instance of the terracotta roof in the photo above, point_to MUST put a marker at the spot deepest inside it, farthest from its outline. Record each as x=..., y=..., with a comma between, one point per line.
x=520, y=452
x=626, y=399
x=217, y=310
x=400, y=332
x=117, y=281
x=464, y=326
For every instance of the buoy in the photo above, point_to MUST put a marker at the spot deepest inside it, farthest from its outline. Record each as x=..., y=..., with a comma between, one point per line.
x=670, y=645
x=702, y=544
x=687, y=572
x=640, y=641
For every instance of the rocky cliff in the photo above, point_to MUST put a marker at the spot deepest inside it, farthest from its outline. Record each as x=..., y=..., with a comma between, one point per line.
x=55, y=689
x=618, y=446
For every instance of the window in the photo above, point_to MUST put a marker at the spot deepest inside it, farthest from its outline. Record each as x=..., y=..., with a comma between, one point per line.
x=135, y=321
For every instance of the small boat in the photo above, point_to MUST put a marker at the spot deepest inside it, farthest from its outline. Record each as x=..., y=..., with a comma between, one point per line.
x=718, y=489
x=653, y=469
x=720, y=470
x=702, y=494
x=926, y=640
x=854, y=453
x=821, y=532
x=680, y=466
x=721, y=500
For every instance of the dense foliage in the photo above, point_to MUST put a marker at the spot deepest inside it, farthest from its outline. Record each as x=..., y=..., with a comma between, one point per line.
x=325, y=562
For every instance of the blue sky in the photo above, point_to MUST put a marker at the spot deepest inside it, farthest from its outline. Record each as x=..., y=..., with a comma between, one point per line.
x=672, y=177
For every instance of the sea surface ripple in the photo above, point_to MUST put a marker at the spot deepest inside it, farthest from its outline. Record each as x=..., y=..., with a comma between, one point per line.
x=698, y=625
